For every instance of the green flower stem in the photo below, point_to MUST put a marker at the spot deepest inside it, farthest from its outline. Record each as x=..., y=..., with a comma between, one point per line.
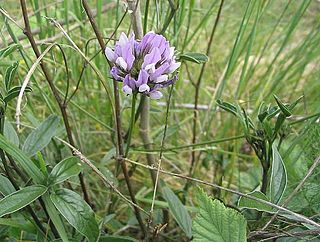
x=132, y=121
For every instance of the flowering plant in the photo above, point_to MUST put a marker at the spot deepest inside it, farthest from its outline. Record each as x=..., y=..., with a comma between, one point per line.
x=143, y=66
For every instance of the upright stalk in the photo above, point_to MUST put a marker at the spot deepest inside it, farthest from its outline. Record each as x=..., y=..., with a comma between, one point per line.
x=62, y=104
x=196, y=96
x=134, y=6
x=133, y=109
x=120, y=151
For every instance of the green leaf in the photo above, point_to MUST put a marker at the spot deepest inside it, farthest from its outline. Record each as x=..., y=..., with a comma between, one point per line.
x=179, y=212
x=18, y=223
x=10, y=133
x=64, y=170
x=115, y=238
x=278, y=179
x=9, y=75
x=77, y=212
x=194, y=57
x=60, y=240
x=8, y=50
x=24, y=161
x=19, y=199
x=217, y=223
x=14, y=92
x=282, y=107
x=41, y=136
x=228, y=107
x=6, y=186
x=252, y=204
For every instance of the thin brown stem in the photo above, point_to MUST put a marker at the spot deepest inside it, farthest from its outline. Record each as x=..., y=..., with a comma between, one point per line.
x=196, y=97
x=120, y=150
x=61, y=104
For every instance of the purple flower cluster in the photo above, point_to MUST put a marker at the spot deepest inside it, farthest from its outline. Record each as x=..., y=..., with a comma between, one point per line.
x=143, y=66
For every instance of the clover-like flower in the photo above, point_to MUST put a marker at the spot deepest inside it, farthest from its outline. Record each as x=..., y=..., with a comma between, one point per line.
x=143, y=66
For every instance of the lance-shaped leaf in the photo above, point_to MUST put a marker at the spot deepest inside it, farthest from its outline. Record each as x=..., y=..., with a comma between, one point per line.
x=77, y=212
x=22, y=159
x=14, y=92
x=19, y=199
x=64, y=170
x=194, y=57
x=41, y=136
x=9, y=75
x=217, y=223
x=278, y=179
x=6, y=186
x=245, y=202
x=179, y=212
x=10, y=133
x=8, y=50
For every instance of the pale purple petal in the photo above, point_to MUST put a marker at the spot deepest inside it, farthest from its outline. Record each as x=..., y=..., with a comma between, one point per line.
x=128, y=55
x=111, y=56
x=123, y=39
x=162, y=78
x=159, y=71
x=115, y=73
x=142, y=78
x=151, y=68
x=174, y=66
x=153, y=57
x=144, y=87
x=121, y=62
x=127, y=90
x=155, y=95
x=129, y=81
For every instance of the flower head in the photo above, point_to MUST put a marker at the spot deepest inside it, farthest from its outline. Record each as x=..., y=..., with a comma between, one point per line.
x=143, y=66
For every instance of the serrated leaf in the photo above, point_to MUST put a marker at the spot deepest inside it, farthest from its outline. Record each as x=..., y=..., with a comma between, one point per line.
x=9, y=75
x=194, y=57
x=245, y=202
x=278, y=179
x=217, y=223
x=115, y=238
x=19, y=199
x=179, y=212
x=10, y=133
x=64, y=170
x=22, y=159
x=41, y=136
x=6, y=186
x=77, y=212
x=8, y=50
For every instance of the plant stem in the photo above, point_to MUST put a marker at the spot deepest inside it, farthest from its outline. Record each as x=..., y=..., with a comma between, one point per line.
x=120, y=152
x=62, y=105
x=196, y=97
x=12, y=180
x=133, y=109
